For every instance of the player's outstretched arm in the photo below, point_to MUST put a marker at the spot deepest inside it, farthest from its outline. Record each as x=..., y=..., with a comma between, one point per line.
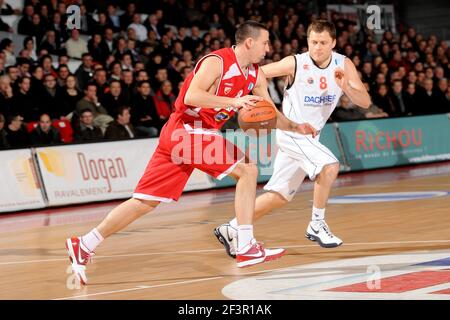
x=349, y=81
x=199, y=92
x=283, y=123
x=284, y=67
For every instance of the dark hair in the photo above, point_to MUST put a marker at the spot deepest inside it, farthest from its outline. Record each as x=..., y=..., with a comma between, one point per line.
x=63, y=66
x=21, y=79
x=5, y=43
x=85, y=110
x=321, y=26
x=248, y=29
x=114, y=81
x=120, y=109
x=140, y=83
x=26, y=40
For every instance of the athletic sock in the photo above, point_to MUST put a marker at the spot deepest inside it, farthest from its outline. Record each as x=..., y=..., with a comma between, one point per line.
x=317, y=214
x=245, y=235
x=233, y=223
x=91, y=240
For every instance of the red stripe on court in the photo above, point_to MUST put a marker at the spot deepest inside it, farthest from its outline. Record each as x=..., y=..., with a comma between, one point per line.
x=445, y=291
x=400, y=283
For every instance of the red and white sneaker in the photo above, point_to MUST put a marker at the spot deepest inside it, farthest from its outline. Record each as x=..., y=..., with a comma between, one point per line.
x=254, y=253
x=79, y=257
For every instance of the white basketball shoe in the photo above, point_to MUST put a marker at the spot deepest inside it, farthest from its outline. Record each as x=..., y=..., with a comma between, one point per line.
x=320, y=232
x=227, y=235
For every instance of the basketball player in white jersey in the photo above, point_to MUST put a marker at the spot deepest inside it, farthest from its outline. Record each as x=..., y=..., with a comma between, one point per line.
x=315, y=81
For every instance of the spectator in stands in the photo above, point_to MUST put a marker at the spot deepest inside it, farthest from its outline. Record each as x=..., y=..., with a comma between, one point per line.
x=151, y=24
x=381, y=100
x=398, y=100
x=90, y=102
x=115, y=70
x=52, y=99
x=429, y=99
x=346, y=110
x=6, y=95
x=127, y=18
x=100, y=80
x=85, y=71
x=410, y=98
x=28, y=47
x=121, y=128
x=141, y=30
x=25, y=25
x=46, y=62
x=63, y=73
x=75, y=45
x=165, y=100
x=24, y=103
x=113, y=17
x=87, y=22
x=127, y=85
x=4, y=144
x=70, y=95
x=59, y=27
x=13, y=73
x=144, y=115
x=114, y=98
x=38, y=28
x=87, y=131
x=51, y=43
x=160, y=77
x=108, y=44
x=16, y=134
x=7, y=47
x=126, y=61
x=45, y=133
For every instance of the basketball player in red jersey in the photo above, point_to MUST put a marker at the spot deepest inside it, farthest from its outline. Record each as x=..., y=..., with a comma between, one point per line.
x=219, y=84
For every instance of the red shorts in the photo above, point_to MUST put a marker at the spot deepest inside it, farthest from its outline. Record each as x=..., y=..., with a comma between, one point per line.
x=182, y=149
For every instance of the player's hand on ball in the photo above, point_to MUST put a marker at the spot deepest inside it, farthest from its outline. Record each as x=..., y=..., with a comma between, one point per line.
x=339, y=76
x=247, y=102
x=306, y=129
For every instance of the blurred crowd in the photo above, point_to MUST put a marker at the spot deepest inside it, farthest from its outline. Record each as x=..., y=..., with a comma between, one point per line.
x=134, y=56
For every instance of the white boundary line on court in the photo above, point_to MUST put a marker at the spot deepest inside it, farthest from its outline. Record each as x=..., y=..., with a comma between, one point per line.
x=215, y=250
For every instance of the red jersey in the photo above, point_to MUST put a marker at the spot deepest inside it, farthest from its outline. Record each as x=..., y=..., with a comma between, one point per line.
x=233, y=83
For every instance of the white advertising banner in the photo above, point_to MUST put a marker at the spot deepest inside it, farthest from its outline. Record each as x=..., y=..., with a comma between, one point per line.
x=99, y=171
x=20, y=188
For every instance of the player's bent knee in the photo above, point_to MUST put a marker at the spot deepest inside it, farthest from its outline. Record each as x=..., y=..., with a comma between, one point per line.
x=277, y=198
x=331, y=171
x=145, y=205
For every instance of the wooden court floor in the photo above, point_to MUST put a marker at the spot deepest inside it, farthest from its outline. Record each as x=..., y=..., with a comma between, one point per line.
x=172, y=253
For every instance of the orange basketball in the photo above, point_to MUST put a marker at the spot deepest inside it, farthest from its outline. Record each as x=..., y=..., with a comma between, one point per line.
x=263, y=116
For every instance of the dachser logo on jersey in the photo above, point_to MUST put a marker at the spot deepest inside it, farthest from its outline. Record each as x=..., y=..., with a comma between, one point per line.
x=317, y=101
x=222, y=116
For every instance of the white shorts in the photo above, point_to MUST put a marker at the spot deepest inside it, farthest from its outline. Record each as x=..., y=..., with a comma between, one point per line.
x=296, y=158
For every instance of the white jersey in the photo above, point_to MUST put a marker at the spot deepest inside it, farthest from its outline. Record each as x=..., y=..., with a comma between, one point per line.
x=314, y=93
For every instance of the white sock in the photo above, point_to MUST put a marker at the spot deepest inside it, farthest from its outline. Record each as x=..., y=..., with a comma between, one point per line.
x=92, y=239
x=245, y=235
x=234, y=223
x=317, y=214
